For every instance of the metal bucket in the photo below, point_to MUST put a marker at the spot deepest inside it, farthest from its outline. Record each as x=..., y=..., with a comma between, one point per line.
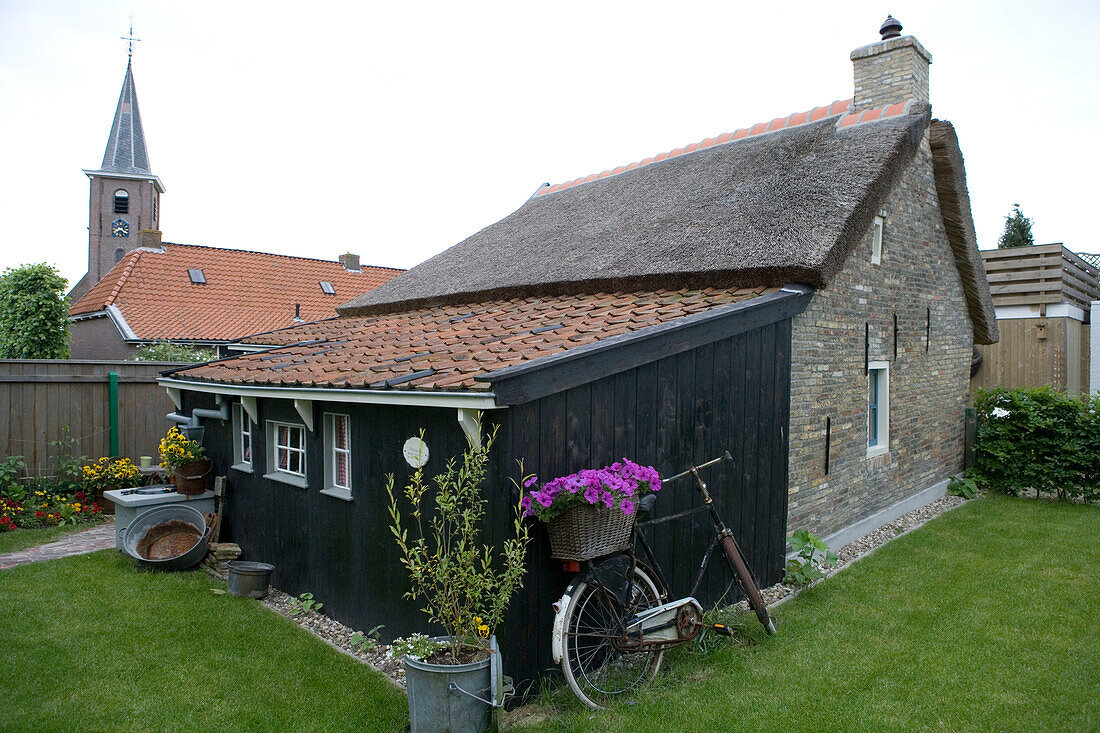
x=248, y=579
x=188, y=557
x=445, y=697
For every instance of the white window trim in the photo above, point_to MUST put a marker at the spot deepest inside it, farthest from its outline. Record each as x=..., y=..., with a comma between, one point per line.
x=240, y=422
x=277, y=474
x=331, y=488
x=877, y=229
x=883, y=415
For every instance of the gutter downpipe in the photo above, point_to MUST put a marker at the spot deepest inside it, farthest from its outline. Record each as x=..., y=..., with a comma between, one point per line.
x=192, y=421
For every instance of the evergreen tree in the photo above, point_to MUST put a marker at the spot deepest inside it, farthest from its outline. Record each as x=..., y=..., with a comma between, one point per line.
x=34, y=313
x=1017, y=230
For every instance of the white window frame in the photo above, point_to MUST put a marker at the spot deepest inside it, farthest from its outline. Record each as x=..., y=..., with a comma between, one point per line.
x=242, y=429
x=878, y=370
x=331, y=451
x=877, y=229
x=281, y=474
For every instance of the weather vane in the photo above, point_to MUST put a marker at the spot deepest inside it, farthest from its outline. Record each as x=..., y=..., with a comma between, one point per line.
x=130, y=37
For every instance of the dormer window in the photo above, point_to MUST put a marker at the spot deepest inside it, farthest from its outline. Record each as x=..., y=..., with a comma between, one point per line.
x=122, y=202
x=196, y=276
x=326, y=288
x=876, y=240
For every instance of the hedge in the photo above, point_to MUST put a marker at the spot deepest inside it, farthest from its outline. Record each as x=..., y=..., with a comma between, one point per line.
x=1038, y=440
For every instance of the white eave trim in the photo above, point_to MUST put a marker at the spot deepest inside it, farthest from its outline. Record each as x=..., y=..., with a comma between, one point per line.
x=253, y=347
x=120, y=323
x=155, y=180
x=480, y=401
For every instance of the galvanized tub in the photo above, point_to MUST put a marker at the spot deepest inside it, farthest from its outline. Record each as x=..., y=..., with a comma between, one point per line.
x=180, y=542
x=464, y=697
x=248, y=579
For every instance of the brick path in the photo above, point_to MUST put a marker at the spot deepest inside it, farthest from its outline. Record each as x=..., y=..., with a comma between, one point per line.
x=77, y=543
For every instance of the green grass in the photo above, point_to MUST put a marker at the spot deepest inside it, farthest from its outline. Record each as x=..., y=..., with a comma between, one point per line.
x=987, y=618
x=94, y=643
x=20, y=539
x=984, y=619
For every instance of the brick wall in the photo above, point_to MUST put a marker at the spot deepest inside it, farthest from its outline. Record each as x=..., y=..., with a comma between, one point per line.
x=928, y=390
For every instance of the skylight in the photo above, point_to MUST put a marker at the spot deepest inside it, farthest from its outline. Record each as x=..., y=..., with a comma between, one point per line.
x=196, y=275
x=326, y=287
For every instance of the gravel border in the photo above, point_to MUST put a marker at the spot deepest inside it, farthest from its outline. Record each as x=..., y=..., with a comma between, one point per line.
x=338, y=636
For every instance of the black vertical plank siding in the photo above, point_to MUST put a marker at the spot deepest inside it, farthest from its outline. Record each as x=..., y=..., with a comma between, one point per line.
x=730, y=394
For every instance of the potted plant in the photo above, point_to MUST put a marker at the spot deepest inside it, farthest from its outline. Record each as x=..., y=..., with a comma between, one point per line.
x=465, y=587
x=108, y=474
x=185, y=461
x=592, y=512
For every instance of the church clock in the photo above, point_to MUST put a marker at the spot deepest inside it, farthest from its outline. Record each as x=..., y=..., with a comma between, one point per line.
x=120, y=228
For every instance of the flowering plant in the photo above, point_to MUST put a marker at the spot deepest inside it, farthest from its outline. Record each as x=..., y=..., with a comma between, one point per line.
x=111, y=473
x=177, y=449
x=619, y=485
x=45, y=508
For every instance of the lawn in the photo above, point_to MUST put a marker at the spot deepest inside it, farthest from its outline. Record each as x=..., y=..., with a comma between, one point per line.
x=984, y=619
x=93, y=643
x=21, y=539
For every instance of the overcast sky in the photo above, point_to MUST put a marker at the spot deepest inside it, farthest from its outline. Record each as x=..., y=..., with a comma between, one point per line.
x=397, y=130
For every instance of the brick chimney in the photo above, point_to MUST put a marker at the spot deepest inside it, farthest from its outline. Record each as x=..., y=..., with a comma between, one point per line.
x=893, y=70
x=150, y=238
x=350, y=262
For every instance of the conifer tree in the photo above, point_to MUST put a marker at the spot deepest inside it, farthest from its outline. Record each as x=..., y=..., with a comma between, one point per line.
x=1017, y=230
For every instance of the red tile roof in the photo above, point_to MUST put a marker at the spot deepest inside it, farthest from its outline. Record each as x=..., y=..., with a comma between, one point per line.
x=244, y=293
x=447, y=347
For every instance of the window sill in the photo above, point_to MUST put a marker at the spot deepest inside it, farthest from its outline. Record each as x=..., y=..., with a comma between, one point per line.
x=337, y=493
x=287, y=478
x=878, y=450
x=242, y=467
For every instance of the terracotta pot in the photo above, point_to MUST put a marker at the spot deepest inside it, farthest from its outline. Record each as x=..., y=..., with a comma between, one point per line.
x=190, y=478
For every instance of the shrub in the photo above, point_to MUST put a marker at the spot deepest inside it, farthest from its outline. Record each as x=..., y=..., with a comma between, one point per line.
x=1038, y=440
x=34, y=313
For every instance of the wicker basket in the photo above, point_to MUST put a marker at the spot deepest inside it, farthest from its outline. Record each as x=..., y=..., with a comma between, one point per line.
x=584, y=532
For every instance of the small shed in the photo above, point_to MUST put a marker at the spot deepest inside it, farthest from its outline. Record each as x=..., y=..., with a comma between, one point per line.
x=1043, y=298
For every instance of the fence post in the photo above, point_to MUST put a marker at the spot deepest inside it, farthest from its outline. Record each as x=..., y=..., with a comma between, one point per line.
x=112, y=406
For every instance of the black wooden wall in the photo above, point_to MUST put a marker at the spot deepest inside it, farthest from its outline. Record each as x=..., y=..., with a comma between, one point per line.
x=682, y=410
x=730, y=394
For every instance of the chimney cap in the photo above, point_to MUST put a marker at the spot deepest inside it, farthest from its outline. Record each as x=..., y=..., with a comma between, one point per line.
x=891, y=28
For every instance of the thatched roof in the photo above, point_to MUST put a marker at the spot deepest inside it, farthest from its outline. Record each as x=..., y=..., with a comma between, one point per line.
x=781, y=207
x=947, y=162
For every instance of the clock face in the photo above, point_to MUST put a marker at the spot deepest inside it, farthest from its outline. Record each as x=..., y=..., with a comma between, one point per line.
x=120, y=228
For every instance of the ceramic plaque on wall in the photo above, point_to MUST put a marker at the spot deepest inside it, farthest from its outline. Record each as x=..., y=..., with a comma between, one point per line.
x=416, y=452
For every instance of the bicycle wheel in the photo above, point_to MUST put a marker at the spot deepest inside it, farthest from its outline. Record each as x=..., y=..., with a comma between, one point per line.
x=597, y=667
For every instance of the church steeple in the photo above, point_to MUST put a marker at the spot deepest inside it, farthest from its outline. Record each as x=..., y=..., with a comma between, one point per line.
x=126, y=152
x=125, y=194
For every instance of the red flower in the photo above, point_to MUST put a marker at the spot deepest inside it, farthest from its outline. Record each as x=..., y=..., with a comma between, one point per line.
x=38, y=515
x=95, y=509
x=80, y=495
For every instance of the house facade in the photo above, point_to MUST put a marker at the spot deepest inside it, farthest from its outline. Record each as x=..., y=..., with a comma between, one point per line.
x=804, y=293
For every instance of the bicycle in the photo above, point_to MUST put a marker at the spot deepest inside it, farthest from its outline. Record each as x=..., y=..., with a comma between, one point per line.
x=614, y=622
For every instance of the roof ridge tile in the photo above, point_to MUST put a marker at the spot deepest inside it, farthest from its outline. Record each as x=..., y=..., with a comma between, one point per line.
x=779, y=123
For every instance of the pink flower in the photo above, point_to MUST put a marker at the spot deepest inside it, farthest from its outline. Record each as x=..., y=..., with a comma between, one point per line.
x=628, y=506
x=530, y=482
x=591, y=494
x=608, y=499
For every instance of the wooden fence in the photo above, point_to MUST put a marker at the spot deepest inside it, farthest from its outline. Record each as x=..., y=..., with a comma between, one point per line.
x=40, y=397
x=1044, y=273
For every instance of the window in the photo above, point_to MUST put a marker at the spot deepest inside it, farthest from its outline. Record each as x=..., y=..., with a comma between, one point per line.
x=242, y=439
x=337, y=456
x=286, y=454
x=122, y=202
x=878, y=408
x=119, y=254
x=876, y=240
x=326, y=288
x=197, y=276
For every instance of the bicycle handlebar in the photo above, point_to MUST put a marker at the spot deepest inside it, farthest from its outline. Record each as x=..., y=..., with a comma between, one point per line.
x=724, y=457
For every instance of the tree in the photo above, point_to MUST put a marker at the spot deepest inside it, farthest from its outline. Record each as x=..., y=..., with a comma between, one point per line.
x=34, y=313
x=1017, y=230
x=167, y=351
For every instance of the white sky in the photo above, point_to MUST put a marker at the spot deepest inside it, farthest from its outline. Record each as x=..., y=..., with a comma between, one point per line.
x=397, y=130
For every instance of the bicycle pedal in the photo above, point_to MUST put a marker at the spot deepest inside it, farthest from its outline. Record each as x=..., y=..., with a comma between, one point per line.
x=721, y=629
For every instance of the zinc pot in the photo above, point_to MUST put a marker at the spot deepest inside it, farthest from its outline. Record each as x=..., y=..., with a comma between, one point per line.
x=442, y=696
x=248, y=579
x=169, y=520
x=191, y=477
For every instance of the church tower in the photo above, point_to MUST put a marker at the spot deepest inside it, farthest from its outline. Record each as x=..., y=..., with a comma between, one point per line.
x=125, y=195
